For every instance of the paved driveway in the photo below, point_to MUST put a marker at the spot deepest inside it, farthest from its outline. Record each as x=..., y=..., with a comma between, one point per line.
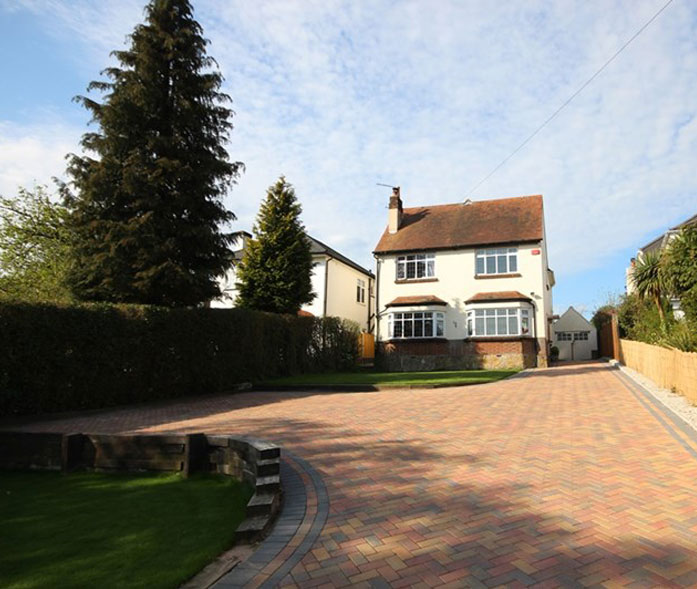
x=565, y=477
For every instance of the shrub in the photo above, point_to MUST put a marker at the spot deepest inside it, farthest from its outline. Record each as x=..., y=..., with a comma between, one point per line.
x=58, y=358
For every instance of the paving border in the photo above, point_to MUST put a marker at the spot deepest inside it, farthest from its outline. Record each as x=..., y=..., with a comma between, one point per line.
x=302, y=518
x=685, y=435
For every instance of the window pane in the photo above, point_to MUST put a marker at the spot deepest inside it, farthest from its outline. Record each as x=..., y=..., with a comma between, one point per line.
x=502, y=264
x=411, y=269
x=480, y=265
x=479, y=326
x=479, y=313
x=513, y=263
x=491, y=325
x=420, y=269
x=439, y=327
x=431, y=268
x=428, y=328
x=400, y=271
x=513, y=325
x=398, y=329
x=490, y=312
x=501, y=326
x=418, y=328
x=418, y=315
x=491, y=265
x=408, y=328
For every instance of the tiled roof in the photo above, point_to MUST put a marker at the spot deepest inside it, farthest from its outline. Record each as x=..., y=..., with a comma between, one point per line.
x=486, y=222
x=503, y=295
x=416, y=300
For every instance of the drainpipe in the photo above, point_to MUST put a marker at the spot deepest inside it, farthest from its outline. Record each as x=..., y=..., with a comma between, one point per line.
x=377, y=297
x=534, y=327
x=326, y=284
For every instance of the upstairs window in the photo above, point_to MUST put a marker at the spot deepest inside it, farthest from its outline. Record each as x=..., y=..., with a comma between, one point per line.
x=360, y=291
x=497, y=322
x=497, y=261
x=416, y=266
x=417, y=324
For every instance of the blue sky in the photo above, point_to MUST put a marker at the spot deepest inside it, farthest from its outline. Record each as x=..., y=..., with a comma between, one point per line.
x=430, y=96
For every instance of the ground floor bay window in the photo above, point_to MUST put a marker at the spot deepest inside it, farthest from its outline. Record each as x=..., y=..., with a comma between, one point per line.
x=511, y=321
x=414, y=324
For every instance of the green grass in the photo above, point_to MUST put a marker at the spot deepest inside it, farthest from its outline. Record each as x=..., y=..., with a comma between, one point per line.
x=113, y=530
x=446, y=377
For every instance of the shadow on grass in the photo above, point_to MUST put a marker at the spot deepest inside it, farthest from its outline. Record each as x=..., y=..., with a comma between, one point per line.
x=113, y=530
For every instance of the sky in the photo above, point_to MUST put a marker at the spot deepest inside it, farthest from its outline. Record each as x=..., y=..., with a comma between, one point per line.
x=429, y=96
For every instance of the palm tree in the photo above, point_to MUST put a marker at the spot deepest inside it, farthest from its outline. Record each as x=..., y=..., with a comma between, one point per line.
x=649, y=281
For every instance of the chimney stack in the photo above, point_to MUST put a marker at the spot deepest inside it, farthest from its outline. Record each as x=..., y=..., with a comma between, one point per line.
x=395, y=212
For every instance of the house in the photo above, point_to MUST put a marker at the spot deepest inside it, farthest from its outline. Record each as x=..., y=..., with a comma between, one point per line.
x=463, y=285
x=575, y=336
x=342, y=287
x=655, y=247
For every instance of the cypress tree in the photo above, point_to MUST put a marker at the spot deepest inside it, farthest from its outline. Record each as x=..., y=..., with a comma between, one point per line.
x=275, y=272
x=147, y=209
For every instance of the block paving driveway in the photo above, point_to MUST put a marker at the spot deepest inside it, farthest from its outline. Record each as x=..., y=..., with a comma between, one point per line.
x=567, y=477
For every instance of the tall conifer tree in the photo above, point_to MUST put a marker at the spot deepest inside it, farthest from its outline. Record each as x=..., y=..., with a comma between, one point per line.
x=275, y=272
x=147, y=207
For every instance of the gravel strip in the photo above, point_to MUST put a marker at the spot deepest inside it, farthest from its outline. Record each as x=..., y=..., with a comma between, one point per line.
x=674, y=401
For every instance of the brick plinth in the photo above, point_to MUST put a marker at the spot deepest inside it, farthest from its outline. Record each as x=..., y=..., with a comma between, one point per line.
x=441, y=354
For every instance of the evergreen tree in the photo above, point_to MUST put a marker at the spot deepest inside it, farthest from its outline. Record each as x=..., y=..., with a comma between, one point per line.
x=147, y=209
x=275, y=272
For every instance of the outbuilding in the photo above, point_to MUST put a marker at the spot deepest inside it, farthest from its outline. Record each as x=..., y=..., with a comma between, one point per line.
x=575, y=336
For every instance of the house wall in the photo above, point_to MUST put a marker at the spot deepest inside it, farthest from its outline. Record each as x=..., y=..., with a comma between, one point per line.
x=456, y=282
x=341, y=293
x=316, y=307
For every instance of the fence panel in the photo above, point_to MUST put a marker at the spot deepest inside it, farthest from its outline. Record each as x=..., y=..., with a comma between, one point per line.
x=669, y=369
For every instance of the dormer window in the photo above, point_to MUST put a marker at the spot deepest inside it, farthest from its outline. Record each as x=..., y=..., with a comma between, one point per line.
x=416, y=267
x=497, y=261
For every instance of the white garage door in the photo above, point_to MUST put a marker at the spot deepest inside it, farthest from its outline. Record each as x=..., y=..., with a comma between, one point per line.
x=574, y=345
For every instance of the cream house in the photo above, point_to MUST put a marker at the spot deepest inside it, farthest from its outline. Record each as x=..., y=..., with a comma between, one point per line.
x=342, y=287
x=464, y=285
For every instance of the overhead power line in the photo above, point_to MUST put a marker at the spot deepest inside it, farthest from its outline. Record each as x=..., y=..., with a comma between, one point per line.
x=568, y=100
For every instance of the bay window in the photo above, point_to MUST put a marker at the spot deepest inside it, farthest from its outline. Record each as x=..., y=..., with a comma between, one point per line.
x=416, y=266
x=498, y=322
x=416, y=324
x=497, y=261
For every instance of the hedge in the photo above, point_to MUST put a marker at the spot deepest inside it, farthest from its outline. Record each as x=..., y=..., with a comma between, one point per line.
x=59, y=358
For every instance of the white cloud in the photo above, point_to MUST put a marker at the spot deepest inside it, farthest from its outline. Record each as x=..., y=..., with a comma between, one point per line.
x=431, y=96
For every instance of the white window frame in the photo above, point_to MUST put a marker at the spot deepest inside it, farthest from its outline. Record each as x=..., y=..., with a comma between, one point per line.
x=360, y=291
x=421, y=266
x=498, y=322
x=490, y=262
x=413, y=322
x=564, y=336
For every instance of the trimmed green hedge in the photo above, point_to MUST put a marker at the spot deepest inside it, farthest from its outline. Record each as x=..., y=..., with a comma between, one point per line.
x=58, y=358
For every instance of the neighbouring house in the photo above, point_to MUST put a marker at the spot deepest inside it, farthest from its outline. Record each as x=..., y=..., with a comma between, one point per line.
x=342, y=287
x=464, y=285
x=656, y=247
x=575, y=337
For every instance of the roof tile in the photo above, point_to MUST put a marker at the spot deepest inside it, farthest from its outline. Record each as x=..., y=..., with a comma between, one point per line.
x=486, y=222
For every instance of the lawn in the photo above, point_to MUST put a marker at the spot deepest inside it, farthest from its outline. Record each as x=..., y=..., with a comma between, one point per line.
x=113, y=530
x=446, y=377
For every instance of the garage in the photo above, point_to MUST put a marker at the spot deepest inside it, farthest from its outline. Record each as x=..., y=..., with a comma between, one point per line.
x=575, y=336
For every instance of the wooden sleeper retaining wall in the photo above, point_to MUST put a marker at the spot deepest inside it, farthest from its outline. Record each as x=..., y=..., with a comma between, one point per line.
x=246, y=459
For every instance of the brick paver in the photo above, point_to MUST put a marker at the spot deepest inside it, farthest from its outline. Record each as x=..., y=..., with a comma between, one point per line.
x=564, y=478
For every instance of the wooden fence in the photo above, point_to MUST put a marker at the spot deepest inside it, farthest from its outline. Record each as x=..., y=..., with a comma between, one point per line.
x=669, y=369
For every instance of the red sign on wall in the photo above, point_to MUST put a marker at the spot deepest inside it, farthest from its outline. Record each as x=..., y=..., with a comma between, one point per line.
x=535, y=252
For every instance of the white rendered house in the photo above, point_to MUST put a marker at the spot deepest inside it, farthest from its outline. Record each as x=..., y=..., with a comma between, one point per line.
x=575, y=336
x=342, y=287
x=464, y=285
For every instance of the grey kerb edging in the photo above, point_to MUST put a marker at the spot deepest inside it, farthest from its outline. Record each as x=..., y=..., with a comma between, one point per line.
x=246, y=459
